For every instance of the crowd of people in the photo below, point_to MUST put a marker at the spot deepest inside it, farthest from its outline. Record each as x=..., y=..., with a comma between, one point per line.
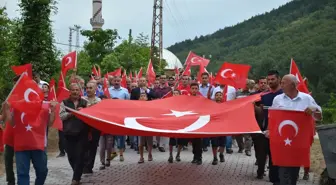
x=79, y=142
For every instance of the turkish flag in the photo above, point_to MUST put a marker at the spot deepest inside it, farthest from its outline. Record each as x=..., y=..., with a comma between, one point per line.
x=117, y=72
x=28, y=135
x=69, y=61
x=61, y=81
x=62, y=94
x=26, y=96
x=178, y=116
x=124, y=79
x=291, y=134
x=58, y=124
x=195, y=60
x=18, y=70
x=150, y=73
x=294, y=70
x=139, y=75
x=233, y=74
x=96, y=70
x=52, y=91
x=187, y=70
x=105, y=87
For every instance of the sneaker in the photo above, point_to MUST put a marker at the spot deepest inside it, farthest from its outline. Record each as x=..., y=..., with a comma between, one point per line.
x=229, y=151
x=102, y=167
x=178, y=159
x=60, y=155
x=170, y=159
x=215, y=161
x=161, y=149
x=108, y=163
x=305, y=176
x=240, y=151
x=122, y=158
x=221, y=158
x=74, y=182
x=199, y=162
x=248, y=153
x=194, y=161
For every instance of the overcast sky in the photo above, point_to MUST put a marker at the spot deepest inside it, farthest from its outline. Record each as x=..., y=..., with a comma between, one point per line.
x=182, y=19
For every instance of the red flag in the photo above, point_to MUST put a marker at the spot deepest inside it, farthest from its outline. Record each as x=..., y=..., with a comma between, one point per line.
x=178, y=116
x=26, y=96
x=124, y=79
x=58, y=124
x=291, y=134
x=18, y=70
x=1, y=141
x=117, y=72
x=130, y=75
x=187, y=71
x=62, y=94
x=61, y=81
x=28, y=135
x=139, y=75
x=233, y=74
x=52, y=91
x=200, y=72
x=150, y=73
x=105, y=87
x=95, y=71
x=195, y=60
x=225, y=92
x=294, y=70
x=69, y=61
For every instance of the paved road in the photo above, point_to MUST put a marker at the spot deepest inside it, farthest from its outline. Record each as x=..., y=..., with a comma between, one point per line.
x=238, y=169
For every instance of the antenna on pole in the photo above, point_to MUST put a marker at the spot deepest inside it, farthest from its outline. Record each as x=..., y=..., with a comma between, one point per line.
x=156, y=41
x=70, y=38
x=77, y=28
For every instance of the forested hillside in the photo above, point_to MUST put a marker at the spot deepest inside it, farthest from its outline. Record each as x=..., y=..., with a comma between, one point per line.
x=302, y=29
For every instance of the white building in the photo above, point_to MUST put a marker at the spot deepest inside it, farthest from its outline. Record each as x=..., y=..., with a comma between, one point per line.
x=171, y=59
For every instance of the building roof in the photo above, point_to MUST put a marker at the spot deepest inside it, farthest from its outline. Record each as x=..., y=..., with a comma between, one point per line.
x=171, y=59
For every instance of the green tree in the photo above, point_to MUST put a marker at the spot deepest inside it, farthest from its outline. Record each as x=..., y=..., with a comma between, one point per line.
x=100, y=43
x=36, y=43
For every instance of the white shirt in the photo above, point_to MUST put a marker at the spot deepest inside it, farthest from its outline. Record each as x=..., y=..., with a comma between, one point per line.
x=299, y=103
x=231, y=93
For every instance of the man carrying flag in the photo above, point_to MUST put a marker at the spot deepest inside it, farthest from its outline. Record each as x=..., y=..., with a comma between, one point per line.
x=290, y=150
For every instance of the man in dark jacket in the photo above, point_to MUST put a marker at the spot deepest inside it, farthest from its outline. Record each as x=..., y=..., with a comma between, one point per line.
x=135, y=94
x=75, y=132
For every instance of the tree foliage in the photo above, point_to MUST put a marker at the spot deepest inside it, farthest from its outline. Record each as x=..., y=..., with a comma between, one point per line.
x=304, y=30
x=36, y=37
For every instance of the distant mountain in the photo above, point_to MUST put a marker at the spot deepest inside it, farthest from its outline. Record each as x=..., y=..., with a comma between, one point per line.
x=302, y=29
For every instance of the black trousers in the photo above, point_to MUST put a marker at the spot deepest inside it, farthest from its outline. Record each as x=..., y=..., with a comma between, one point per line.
x=90, y=155
x=261, y=146
x=288, y=175
x=197, y=148
x=273, y=172
x=76, y=146
x=61, y=142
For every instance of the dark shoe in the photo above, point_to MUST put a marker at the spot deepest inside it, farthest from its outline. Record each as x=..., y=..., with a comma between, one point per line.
x=87, y=171
x=11, y=183
x=74, y=182
x=248, y=153
x=260, y=176
x=154, y=146
x=108, y=163
x=205, y=149
x=221, y=158
x=60, y=155
x=161, y=149
x=240, y=151
x=306, y=176
x=215, y=161
x=170, y=159
x=194, y=161
x=199, y=162
x=229, y=151
x=177, y=158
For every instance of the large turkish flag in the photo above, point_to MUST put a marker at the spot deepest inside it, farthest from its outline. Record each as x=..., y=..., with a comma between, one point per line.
x=291, y=134
x=233, y=74
x=178, y=116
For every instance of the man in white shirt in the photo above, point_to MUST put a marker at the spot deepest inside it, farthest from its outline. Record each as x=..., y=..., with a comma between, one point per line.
x=292, y=99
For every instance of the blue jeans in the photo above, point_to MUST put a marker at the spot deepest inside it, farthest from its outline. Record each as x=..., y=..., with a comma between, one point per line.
x=228, y=142
x=120, y=140
x=39, y=160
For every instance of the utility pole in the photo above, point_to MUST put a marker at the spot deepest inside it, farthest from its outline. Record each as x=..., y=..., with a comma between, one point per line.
x=156, y=41
x=77, y=28
x=70, y=38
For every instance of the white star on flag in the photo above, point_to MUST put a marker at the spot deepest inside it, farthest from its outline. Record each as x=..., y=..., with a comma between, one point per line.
x=288, y=142
x=179, y=113
x=28, y=128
